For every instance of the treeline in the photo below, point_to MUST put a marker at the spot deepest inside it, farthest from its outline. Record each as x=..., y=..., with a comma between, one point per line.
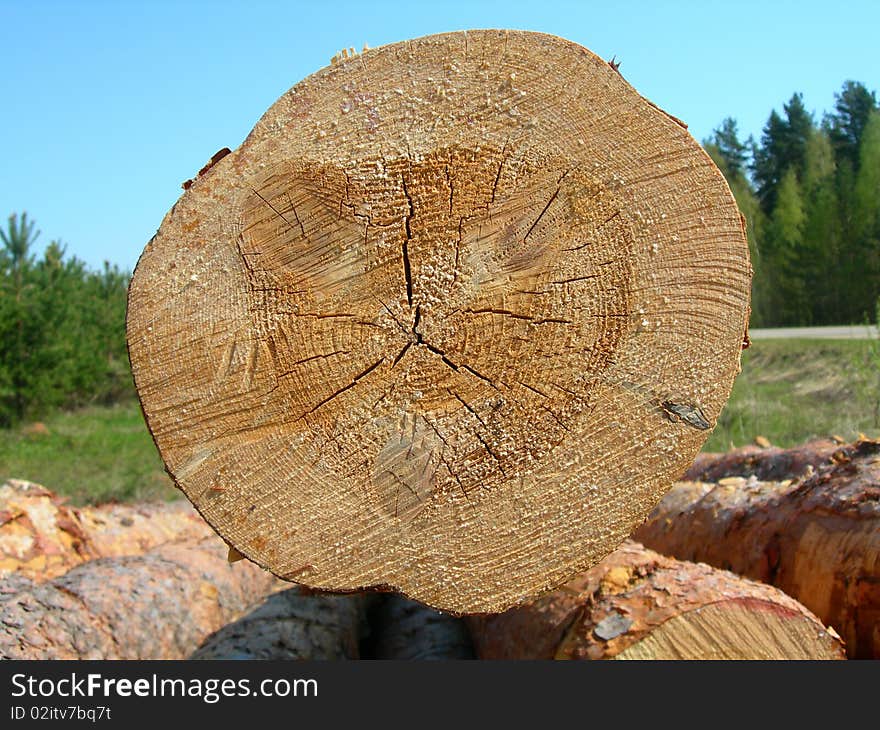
x=810, y=192
x=62, y=328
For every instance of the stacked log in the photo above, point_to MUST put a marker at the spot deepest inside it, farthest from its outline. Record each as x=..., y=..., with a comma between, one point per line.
x=472, y=304
x=768, y=463
x=637, y=604
x=409, y=630
x=817, y=538
x=292, y=624
x=184, y=599
x=160, y=605
x=41, y=537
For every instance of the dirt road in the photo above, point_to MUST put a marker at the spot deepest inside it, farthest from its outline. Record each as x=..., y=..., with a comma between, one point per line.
x=848, y=332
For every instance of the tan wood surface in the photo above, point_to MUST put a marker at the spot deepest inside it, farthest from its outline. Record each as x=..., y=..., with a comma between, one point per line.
x=451, y=320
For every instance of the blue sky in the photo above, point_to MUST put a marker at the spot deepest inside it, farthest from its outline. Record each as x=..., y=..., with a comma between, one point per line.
x=109, y=106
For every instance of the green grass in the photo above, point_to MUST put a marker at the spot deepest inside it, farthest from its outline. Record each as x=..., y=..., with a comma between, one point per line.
x=793, y=390
x=789, y=391
x=93, y=455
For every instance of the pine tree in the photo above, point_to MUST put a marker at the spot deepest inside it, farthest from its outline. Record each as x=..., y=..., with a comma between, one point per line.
x=852, y=108
x=798, y=130
x=821, y=267
x=866, y=209
x=17, y=336
x=731, y=150
x=867, y=183
x=787, y=296
x=731, y=160
x=783, y=147
x=62, y=328
x=768, y=161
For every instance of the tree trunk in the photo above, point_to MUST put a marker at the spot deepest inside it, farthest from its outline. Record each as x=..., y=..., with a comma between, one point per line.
x=405, y=629
x=637, y=604
x=41, y=537
x=818, y=538
x=766, y=464
x=292, y=625
x=160, y=605
x=468, y=304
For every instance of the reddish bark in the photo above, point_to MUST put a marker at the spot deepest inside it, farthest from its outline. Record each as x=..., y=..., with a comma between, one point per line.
x=41, y=537
x=767, y=464
x=817, y=538
x=160, y=605
x=639, y=604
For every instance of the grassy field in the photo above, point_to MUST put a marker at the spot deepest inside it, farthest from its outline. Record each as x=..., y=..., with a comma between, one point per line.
x=789, y=391
x=793, y=390
x=91, y=455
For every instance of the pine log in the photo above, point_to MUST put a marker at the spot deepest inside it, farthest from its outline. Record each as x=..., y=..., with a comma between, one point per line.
x=41, y=537
x=403, y=629
x=292, y=624
x=767, y=464
x=449, y=321
x=817, y=538
x=160, y=605
x=637, y=604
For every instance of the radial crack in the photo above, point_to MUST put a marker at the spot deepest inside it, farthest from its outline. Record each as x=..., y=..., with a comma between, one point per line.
x=514, y=315
x=405, y=248
x=490, y=451
x=400, y=354
x=541, y=215
x=353, y=383
x=275, y=211
x=467, y=406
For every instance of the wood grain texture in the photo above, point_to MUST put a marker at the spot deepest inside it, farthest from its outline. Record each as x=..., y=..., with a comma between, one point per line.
x=638, y=604
x=449, y=321
x=816, y=537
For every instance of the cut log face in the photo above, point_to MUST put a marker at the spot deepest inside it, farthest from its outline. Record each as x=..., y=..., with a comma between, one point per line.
x=816, y=537
x=451, y=320
x=637, y=604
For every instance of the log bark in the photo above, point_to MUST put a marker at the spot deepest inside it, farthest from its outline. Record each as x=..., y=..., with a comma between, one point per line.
x=160, y=605
x=817, y=538
x=292, y=624
x=767, y=464
x=637, y=604
x=468, y=303
x=41, y=537
x=408, y=630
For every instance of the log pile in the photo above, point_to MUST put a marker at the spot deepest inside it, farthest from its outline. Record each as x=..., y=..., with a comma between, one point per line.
x=816, y=537
x=41, y=537
x=292, y=624
x=637, y=604
x=766, y=463
x=405, y=629
x=184, y=599
x=159, y=605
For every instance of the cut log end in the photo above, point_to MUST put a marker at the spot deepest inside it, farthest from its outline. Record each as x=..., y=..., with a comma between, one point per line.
x=468, y=318
x=738, y=630
x=817, y=537
x=637, y=604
